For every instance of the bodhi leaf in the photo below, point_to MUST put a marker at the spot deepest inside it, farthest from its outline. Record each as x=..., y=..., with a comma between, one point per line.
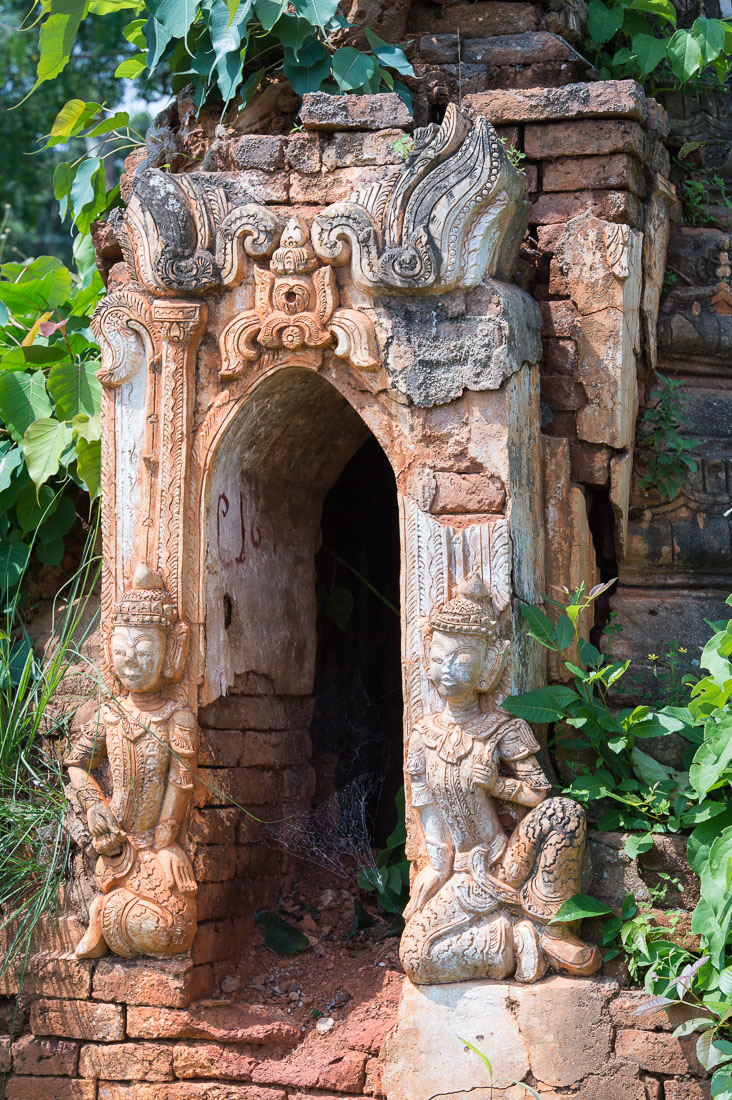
x=603, y=22
x=43, y=444
x=543, y=705
x=23, y=399
x=57, y=36
x=75, y=388
x=351, y=68
x=579, y=907
x=685, y=55
x=89, y=465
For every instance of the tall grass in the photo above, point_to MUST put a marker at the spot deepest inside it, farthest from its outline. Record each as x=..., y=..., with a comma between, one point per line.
x=34, y=844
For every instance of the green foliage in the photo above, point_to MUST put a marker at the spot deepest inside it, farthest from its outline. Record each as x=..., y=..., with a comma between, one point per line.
x=33, y=807
x=640, y=40
x=699, y=194
x=603, y=743
x=515, y=156
x=388, y=878
x=50, y=453
x=31, y=222
x=224, y=48
x=667, y=452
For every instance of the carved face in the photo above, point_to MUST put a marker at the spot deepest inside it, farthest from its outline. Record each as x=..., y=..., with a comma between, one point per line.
x=456, y=664
x=138, y=656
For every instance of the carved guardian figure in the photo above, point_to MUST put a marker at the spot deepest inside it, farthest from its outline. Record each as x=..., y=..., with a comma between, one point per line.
x=482, y=904
x=146, y=903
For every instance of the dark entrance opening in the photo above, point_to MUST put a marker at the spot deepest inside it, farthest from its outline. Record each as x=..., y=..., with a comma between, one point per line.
x=357, y=724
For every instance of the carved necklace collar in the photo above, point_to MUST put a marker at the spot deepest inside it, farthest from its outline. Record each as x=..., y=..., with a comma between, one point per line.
x=135, y=722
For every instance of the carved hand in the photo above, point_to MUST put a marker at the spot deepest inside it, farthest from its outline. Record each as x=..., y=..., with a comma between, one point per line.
x=107, y=837
x=484, y=770
x=426, y=884
x=177, y=869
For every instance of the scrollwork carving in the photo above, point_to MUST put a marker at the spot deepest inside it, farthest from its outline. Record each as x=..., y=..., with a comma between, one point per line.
x=453, y=214
x=123, y=312
x=295, y=315
x=186, y=235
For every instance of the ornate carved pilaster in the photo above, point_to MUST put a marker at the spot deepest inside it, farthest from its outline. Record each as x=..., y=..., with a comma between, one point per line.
x=180, y=326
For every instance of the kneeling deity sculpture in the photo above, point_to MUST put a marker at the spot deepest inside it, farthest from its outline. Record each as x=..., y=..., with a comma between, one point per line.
x=482, y=905
x=146, y=904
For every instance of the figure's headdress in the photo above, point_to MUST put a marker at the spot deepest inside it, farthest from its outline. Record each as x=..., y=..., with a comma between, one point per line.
x=469, y=612
x=147, y=603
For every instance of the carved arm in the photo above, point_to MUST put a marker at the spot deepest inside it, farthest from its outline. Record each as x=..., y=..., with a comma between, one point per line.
x=179, y=783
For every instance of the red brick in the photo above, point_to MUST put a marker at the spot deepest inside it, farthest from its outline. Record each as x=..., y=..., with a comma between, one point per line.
x=275, y=748
x=560, y=356
x=603, y=99
x=656, y=1052
x=457, y=494
x=623, y=1009
x=257, y=151
x=127, y=1061
x=252, y=712
x=217, y=940
x=512, y=49
x=558, y=318
x=45, y=1057
x=302, y=152
x=473, y=20
x=654, y=1088
x=213, y=825
x=320, y=111
x=686, y=1090
x=616, y=170
x=251, y=1024
x=313, y=1067
x=220, y=748
x=188, y=1090
x=255, y=861
x=57, y=974
x=77, y=1020
x=583, y=139
x=53, y=1088
x=244, y=786
x=613, y=206
x=212, y=1060
x=562, y=393
x=296, y=783
x=171, y=983
x=590, y=464
x=215, y=862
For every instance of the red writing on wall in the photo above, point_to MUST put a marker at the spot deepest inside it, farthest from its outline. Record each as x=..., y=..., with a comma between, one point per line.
x=255, y=526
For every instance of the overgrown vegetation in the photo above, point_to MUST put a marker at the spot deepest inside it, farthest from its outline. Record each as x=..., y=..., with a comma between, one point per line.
x=34, y=843
x=650, y=798
x=667, y=454
x=640, y=40
x=50, y=452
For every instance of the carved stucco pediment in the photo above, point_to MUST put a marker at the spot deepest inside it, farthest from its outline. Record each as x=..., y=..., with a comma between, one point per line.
x=455, y=213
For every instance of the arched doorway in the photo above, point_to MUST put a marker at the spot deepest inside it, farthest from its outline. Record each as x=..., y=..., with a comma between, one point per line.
x=300, y=510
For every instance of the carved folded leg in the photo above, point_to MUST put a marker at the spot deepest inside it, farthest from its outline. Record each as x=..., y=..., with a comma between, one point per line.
x=443, y=942
x=145, y=915
x=544, y=857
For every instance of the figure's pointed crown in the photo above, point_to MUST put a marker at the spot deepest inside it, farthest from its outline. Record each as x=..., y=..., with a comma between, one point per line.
x=469, y=612
x=295, y=255
x=147, y=603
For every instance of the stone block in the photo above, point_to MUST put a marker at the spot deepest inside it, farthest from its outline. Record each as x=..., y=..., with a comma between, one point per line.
x=78, y=1020
x=268, y=187
x=215, y=862
x=188, y=1090
x=654, y=1051
x=275, y=748
x=258, y=151
x=477, y=20
x=220, y=1020
x=616, y=1087
x=191, y=1060
x=320, y=111
x=171, y=983
x=562, y=393
x=297, y=782
x=565, y=1028
x=612, y=206
x=255, y=861
x=558, y=319
x=583, y=139
x=57, y=974
x=457, y=494
x=218, y=900
x=45, y=1057
x=615, y=170
x=603, y=99
x=560, y=356
x=416, y=1064
x=352, y=150
x=217, y=940
x=245, y=786
x=57, y=1088
x=127, y=1061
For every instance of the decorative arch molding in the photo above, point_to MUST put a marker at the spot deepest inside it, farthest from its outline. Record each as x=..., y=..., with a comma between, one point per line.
x=223, y=298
